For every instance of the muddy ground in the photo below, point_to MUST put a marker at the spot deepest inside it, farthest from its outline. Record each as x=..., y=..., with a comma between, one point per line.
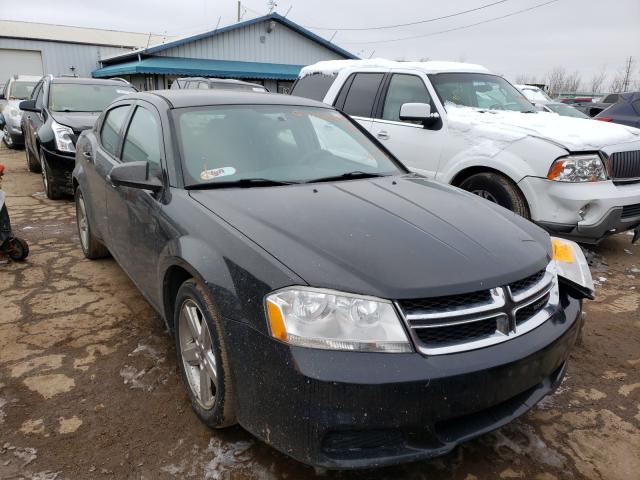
x=89, y=385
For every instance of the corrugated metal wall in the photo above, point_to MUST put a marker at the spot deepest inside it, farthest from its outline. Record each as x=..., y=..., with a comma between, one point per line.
x=254, y=44
x=58, y=57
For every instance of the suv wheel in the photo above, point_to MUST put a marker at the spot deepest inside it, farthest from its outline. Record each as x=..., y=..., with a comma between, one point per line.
x=7, y=138
x=50, y=188
x=497, y=189
x=32, y=163
x=91, y=246
x=202, y=356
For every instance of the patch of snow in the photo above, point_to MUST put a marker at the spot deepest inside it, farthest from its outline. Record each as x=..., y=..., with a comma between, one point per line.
x=332, y=67
x=148, y=351
x=132, y=377
x=507, y=126
x=3, y=415
x=26, y=454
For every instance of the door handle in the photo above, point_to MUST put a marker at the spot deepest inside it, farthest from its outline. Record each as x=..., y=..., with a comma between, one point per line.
x=383, y=135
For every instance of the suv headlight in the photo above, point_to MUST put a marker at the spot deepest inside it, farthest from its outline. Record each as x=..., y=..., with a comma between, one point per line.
x=63, y=135
x=317, y=318
x=572, y=265
x=578, y=168
x=14, y=112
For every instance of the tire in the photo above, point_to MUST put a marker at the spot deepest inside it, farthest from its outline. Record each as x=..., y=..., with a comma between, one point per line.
x=8, y=139
x=50, y=188
x=91, y=246
x=18, y=249
x=498, y=189
x=198, y=359
x=32, y=163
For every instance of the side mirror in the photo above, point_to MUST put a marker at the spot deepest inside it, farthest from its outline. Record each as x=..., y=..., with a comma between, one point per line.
x=418, y=112
x=2, y=121
x=28, y=106
x=135, y=175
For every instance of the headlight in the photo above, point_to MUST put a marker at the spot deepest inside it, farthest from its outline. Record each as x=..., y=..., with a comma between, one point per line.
x=63, y=135
x=317, y=318
x=572, y=265
x=578, y=168
x=14, y=112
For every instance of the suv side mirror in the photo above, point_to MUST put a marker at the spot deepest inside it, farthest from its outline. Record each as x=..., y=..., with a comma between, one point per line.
x=418, y=112
x=135, y=175
x=28, y=106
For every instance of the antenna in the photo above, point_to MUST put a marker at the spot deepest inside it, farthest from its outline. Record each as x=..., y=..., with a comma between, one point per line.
x=333, y=36
x=290, y=7
x=272, y=6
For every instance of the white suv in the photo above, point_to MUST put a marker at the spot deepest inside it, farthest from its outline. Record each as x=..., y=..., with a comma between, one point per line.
x=460, y=124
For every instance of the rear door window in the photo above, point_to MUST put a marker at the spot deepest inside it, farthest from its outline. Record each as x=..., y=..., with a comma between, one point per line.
x=313, y=86
x=112, y=127
x=361, y=96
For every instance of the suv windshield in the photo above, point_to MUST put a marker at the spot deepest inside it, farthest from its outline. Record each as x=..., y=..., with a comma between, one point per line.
x=479, y=90
x=21, y=90
x=274, y=143
x=535, y=94
x=78, y=97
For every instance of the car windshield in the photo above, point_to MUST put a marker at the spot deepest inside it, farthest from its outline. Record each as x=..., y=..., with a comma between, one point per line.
x=566, y=110
x=274, y=143
x=479, y=90
x=78, y=97
x=21, y=90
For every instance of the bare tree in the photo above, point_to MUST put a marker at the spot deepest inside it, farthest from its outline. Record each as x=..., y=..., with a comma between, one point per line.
x=572, y=82
x=597, y=80
x=526, y=79
x=556, y=79
x=622, y=80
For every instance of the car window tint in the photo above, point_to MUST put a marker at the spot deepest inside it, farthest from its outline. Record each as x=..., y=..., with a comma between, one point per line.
x=111, y=127
x=313, y=86
x=142, y=143
x=362, y=94
x=404, y=89
x=39, y=95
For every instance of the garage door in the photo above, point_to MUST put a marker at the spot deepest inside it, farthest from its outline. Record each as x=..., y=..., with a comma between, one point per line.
x=19, y=62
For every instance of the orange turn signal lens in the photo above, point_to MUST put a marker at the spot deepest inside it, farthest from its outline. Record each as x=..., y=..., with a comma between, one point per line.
x=276, y=321
x=562, y=252
x=556, y=169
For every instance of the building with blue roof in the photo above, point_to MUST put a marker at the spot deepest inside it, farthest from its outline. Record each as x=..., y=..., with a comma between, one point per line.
x=269, y=50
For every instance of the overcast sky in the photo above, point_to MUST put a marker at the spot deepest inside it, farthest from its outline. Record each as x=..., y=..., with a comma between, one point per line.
x=582, y=35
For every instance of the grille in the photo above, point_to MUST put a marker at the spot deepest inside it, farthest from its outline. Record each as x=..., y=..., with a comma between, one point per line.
x=449, y=334
x=526, y=283
x=631, y=211
x=625, y=165
x=525, y=313
x=445, y=304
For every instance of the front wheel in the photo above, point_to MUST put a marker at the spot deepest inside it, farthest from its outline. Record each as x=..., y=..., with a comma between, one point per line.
x=91, y=246
x=202, y=356
x=497, y=189
x=32, y=162
x=50, y=188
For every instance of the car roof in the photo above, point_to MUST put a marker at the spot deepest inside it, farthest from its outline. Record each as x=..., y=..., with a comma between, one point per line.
x=195, y=98
x=332, y=67
x=90, y=81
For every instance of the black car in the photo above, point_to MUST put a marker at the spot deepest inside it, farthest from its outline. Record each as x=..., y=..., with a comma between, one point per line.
x=625, y=111
x=343, y=310
x=59, y=109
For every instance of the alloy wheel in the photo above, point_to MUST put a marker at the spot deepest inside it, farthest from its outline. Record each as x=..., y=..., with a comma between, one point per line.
x=83, y=224
x=6, y=137
x=485, y=194
x=196, y=351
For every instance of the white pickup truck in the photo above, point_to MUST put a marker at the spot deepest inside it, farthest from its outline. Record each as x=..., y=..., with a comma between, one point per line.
x=460, y=124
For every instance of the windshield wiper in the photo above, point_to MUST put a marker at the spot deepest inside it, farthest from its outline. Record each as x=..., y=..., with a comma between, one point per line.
x=242, y=183
x=356, y=174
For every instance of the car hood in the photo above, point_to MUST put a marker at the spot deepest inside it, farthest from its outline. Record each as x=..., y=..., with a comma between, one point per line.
x=494, y=130
x=78, y=121
x=392, y=237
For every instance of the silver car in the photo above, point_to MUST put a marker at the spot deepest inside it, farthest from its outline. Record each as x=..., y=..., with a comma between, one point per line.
x=16, y=89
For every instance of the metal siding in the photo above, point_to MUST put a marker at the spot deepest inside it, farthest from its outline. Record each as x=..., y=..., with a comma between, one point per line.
x=57, y=57
x=282, y=45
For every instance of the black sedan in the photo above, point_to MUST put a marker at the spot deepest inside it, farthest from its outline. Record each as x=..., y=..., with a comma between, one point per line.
x=343, y=310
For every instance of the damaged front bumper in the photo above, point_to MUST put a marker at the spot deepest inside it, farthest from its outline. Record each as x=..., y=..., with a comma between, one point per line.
x=585, y=212
x=348, y=410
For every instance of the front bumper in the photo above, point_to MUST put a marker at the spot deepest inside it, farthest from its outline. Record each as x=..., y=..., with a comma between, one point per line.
x=346, y=410
x=61, y=169
x=586, y=212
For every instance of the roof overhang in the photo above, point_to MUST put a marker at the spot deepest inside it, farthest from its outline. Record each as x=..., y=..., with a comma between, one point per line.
x=200, y=67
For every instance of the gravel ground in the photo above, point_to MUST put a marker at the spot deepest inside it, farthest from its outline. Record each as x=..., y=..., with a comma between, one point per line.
x=89, y=385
